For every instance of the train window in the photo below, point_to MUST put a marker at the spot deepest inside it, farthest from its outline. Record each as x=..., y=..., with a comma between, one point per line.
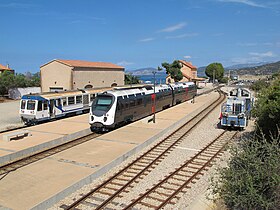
x=31, y=105
x=139, y=101
x=64, y=102
x=78, y=99
x=58, y=102
x=71, y=100
x=126, y=104
x=149, y=88
x=138, y=94
x=23, y=102
x=45, y=104
x=132, y=102
x=118, y=106
x=92, y=97
x=40, y=106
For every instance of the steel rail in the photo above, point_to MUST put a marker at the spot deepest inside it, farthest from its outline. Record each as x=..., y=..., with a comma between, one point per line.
x=16, y=164
x=180, y=169
x=159, y=158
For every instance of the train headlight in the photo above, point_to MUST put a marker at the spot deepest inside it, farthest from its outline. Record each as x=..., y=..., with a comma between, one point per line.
x=241, y=115
x=92, y=118
x=225, y=114
x=105, y=119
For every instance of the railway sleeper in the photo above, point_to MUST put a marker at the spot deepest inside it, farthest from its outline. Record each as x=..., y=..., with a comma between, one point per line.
x=198, y=163
x=167, y=188
x=147, y=204
x=204, y=159
x=111, y=188
x=122, y=179
x=127, y=175
x=105, y=193
x=163, y=194
x=178, y=179
x=193, y=167
x=173, y=183
x=140, y=165
x=115, y=183
x=155, y=198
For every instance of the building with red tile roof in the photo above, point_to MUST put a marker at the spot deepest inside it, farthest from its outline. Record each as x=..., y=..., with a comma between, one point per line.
x=5, y=68
x=59, y=74
x=189, y=72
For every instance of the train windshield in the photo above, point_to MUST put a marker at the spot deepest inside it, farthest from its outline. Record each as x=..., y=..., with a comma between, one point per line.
x=102, y=103
x=23, y=102
x=31, y=105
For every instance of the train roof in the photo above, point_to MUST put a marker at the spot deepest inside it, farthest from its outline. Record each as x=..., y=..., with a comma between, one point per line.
x=240, y=92
x=47, y=95
x=147, y=89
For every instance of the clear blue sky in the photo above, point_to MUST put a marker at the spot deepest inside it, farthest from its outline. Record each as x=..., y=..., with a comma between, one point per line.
x=138, y=33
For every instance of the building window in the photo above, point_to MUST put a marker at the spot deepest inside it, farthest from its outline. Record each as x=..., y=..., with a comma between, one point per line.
x=88, y=86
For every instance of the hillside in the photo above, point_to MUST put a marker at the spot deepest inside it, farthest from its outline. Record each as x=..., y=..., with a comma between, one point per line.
x=266, y=69
x=145, y=71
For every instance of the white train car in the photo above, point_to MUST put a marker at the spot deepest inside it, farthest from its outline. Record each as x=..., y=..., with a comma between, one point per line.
x=121, y=105
x=236, y=111
x=35, y=108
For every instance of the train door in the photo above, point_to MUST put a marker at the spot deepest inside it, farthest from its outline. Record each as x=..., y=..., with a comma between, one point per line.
x=187, y=94
x=119, y=110
x=58, y=107
x=86, y=101
x=52, y=114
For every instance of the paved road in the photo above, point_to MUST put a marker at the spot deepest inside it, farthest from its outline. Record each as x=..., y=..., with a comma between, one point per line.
x=9, y=116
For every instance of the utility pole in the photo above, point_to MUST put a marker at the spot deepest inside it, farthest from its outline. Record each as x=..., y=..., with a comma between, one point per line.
x=214, y=77
x=154, y=98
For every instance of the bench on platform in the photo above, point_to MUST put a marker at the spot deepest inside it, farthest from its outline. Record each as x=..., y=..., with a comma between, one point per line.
x=17, y=134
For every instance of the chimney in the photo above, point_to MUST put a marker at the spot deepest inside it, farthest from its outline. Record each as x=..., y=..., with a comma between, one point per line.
x=8, y=67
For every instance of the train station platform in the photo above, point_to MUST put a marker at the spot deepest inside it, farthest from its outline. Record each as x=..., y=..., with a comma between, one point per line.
x=45, y=182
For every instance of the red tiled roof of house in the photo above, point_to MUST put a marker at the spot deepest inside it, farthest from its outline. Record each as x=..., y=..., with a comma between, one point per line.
x=2, y=67
x=188, y=64
x=78, y=63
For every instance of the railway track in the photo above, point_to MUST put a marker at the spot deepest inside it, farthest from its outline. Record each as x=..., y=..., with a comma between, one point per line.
x=114, y=187
x=167, y=190
x=12, y=166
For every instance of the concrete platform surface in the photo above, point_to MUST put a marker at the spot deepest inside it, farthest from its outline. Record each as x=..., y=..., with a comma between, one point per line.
x=45, y=182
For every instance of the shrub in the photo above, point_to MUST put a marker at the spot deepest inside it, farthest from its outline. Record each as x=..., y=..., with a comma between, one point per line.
x=252, y=178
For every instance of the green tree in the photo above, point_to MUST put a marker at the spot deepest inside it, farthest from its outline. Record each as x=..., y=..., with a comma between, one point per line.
x=7, y=80
x=174, y=70
x=267, y=110
x=259, y=85
x=215, y=70
x=130, y=79
x=20, y=81
x=252, y=178
x=35, y=80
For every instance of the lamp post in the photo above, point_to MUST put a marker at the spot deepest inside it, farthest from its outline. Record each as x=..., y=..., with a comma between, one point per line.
x=154, y=98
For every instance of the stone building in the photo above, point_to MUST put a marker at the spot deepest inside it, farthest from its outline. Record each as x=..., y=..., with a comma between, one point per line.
x=60, y=75
x=5, y=68
x=189, y=73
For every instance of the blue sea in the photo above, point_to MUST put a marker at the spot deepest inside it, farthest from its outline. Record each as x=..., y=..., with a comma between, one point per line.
x=160, y=78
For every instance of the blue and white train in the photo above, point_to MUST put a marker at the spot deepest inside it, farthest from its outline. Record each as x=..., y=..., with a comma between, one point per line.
x=36, y=108
x=236, y=111
x=126, y=104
